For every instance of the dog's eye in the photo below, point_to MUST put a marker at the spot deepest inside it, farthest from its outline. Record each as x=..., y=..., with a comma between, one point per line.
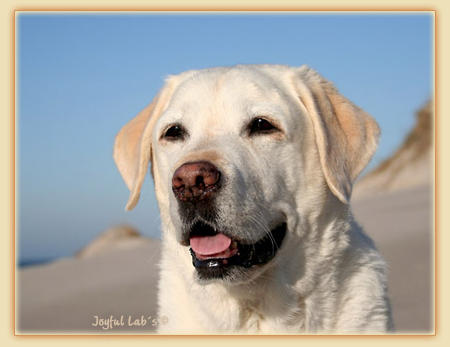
x=175, y=132
x=261, y=126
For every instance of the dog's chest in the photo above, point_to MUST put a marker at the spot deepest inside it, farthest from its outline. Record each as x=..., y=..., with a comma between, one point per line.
x=264, y=319
x=252, y=319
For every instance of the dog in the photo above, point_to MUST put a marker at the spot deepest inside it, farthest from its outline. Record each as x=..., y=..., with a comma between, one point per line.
x=253, y=168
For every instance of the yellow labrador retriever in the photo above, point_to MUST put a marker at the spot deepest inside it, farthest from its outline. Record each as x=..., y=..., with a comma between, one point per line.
x=253, y=169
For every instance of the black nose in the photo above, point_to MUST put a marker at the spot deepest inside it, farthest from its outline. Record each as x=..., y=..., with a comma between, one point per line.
x=195, y=181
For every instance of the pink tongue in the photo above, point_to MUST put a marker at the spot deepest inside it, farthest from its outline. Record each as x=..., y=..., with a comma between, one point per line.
x=207, y=245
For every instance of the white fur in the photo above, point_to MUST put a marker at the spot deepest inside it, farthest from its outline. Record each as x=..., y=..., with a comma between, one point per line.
x=327, y=276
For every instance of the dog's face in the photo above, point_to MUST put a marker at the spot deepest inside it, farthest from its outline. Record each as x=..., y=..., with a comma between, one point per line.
x=225, y=160
x=239, y=156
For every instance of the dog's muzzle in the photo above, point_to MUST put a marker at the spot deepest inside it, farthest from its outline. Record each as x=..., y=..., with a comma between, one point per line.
x=216, y=253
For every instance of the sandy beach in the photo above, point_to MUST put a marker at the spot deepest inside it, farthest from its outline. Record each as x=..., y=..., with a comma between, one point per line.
x=66, y=296
x=401, y=224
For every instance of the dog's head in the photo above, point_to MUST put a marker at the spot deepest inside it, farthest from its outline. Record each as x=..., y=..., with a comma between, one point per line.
x=239, y=155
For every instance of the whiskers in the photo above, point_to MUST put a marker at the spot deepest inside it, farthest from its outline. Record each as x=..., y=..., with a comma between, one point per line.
x=259, y=220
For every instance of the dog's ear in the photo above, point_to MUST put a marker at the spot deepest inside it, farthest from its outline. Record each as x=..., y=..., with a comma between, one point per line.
x=346, y=136
x=132, y=146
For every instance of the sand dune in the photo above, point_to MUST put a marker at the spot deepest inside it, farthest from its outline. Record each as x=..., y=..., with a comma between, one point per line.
x=409, y=166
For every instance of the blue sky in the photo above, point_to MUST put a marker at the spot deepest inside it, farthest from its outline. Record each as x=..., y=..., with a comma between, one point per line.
x=81, y=77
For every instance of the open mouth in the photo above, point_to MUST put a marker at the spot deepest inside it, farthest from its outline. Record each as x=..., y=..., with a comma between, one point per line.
x=214, y=254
